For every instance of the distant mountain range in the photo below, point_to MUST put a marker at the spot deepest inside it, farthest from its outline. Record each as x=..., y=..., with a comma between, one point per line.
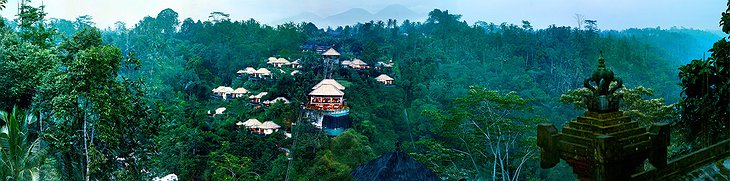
x=357, y=15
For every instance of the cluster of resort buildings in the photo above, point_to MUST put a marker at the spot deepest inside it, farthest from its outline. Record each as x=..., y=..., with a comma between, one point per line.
x=226, y=92
x=326, y=107
x=255, y=126
x=359, y=64
x=283, y=62
x=255, y=74
x=257, y=100
x=266, y=74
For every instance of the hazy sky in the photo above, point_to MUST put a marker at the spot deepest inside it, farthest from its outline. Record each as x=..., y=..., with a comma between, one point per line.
x=610, y=14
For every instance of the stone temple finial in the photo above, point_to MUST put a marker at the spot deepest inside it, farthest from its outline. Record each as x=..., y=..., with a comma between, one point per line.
x=602, y=98
x=601, y=61
x=605, y=144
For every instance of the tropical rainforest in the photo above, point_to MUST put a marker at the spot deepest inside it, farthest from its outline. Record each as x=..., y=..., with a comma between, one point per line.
x=132, y=102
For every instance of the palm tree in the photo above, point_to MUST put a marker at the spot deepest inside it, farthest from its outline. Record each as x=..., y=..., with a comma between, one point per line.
x=21, y=156
x=2, y=4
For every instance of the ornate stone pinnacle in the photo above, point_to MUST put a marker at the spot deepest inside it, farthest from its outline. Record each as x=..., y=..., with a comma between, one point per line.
x=603, y=144
x=601, y=61
x=603, y=98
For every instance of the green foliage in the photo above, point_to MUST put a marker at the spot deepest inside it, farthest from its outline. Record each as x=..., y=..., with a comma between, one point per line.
x=326, y=167
x=489, y=129
x=219, y=16
x=230, y=167
x=21, y=153
x=684, y=44
x=442, y=160
x=725, y=20
x=83, y=21
x=352, y=149
x=116, y=115
x=32, y=28
x=310, y=145
x=2, y=4
x=195, y=79
x=180, y=155
x=705, y=86
x=65, y=28
x=167, y=21
x=371, y=52
x=23, y=65
x=435, y=61
x=635, y=104
x=99, y=119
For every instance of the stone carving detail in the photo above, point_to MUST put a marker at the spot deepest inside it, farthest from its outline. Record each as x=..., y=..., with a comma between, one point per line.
x=604, y=97
x=603, y=144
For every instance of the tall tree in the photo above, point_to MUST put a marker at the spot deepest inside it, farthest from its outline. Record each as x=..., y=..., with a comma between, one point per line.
x=100, y=119
x=167, y=21
x=32, y=27
x=218, y=16
x=352, y=149
x=23, y=65
x=24, y=57
x=490, y=129
x=230, y=167
x=83, y=22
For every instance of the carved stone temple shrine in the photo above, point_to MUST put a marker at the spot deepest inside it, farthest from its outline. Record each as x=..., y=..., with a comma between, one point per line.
x=603, y=144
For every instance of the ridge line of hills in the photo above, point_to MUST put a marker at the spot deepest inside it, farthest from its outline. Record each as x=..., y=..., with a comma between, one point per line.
x=394, y=11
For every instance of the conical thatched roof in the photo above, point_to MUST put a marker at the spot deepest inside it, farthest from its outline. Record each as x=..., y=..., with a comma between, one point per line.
x=283, y=60
x=392, y=166
x=261, y=94
x=331, y=52
x=220, y=110
x=329, y=82
x=240, y=90
x=258, y=96
x=252, y=123
x=358, y=62
x=327, y=90
x=250, y=70
x=269, y=125
x=273, y=60
x=223, y=89
x=383, y=77
x=263, y=71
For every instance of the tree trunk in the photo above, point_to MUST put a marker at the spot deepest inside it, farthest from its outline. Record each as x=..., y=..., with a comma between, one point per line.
x=86, y=147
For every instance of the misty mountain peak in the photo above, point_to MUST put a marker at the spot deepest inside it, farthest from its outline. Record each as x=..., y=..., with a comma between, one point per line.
x=396, y=11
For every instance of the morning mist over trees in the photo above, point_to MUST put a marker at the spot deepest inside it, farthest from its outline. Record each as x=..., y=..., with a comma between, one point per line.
x=377, y=90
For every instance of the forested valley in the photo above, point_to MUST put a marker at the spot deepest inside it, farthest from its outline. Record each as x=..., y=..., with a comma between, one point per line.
x=134, y=102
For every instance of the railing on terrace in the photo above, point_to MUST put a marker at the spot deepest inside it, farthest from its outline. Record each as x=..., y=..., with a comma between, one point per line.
x=327, y=106
x=329, y=109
